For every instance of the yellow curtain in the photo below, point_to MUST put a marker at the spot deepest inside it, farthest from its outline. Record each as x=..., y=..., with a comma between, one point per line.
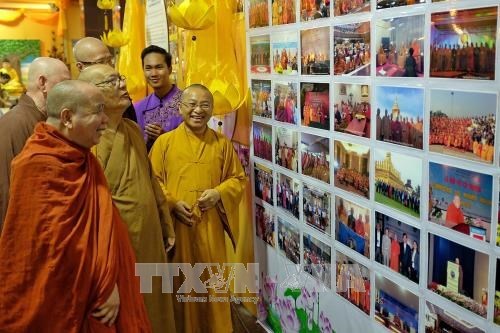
x=10, y=15
x=43, y=18
x=61, y=23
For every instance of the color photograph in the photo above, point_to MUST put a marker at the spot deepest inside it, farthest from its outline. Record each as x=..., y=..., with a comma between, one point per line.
x=316, y=208
x=263, y=183
x=352, y=167
x=498, y=225
x=315, y=105
x=463, y=124
x=397, y=246
x=353, y=282
x=438, y=320
x=261, y=98
x=286, y=148
x=287, y=194
x=315, y=51
x=381, y=4
x=344, y=7
x=285, y=102
x=283, y=11
x=461, y=200
x=459, y=274
x=243, y=152
x=317, y=259
x=314, y=9
x=463, y=43
x=396, y=308
x=262, y=138
x=260, y=61
x=352, y=109
x=351, y=49
x=398, y=180
x=258, y=14
x=284, y=50
x=496, y=316
x=403, y=113
x=289, y=240
x=315, y=152
x=264, y=225
x=399, y=44
x=352, y=225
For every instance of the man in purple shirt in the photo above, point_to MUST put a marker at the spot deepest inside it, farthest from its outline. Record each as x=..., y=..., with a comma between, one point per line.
x=159, y=112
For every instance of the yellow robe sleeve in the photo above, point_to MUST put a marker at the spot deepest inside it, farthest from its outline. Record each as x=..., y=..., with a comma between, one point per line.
x=166, y=221
x=157, y=157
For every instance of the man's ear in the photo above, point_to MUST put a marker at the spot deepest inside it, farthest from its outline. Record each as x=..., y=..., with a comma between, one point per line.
x=42, y=83
x=79, y=65
x=66, y=117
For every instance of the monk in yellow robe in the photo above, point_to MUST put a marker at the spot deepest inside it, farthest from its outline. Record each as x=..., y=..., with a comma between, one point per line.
x=203, y=179
x=136, y=192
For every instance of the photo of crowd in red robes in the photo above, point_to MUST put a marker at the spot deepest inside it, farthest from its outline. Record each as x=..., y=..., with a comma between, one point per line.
x=352, y=225
x=344, y=7
x=264, y=223
x=315, y=157
x=286, y=148
x=351, y=167
x=351, y=50
x=263, y=179
x=352, y=110
x=262, y=141
x=285, y=102
x=353, y=282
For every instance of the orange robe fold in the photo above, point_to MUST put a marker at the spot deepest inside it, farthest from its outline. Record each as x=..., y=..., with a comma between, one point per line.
x=64, y=247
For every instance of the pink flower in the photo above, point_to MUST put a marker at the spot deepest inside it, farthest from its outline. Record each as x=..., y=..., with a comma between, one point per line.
x=324, y=323
x=288, y=317
x=270, y=290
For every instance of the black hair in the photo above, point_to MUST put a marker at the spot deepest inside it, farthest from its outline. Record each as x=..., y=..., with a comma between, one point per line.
x=159, y=50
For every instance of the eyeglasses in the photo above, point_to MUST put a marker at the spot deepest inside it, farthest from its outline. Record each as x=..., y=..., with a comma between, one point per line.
x=191, y=106
x=110, y=60
x=113, y=82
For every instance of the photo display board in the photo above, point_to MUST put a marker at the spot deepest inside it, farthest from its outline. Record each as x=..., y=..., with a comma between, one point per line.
x=376, y=164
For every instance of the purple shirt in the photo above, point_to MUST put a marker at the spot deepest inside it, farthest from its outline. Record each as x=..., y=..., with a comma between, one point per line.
x=164, y=111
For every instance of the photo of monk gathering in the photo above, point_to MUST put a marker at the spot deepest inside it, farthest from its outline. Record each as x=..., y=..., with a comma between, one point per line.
x=352, y=225
x=258, y=13
x=400, y=46
x=315, y=105
x=287, y=194
x=261, y=98
x=315, y=51
x=316, y=208
x=397, y=246
x=315, y=152
x=285, y=102
x=260, y=61
x=286, y=148
x=352, y=110
x=353, y=282
x=344, y=7
x=318, y=259
x=461, y=200
x=351, y=50
x=264, y=225
x=463, y=124
x=263, y=183
x=262, y=138
x=289, y=240
x=463, y=44
x=351, y=167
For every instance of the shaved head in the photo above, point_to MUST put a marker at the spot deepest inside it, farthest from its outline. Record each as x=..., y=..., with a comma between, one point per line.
x=199, y=86
x=90, y=51
x=69, y=95
x=95, y=73
x=50, y=69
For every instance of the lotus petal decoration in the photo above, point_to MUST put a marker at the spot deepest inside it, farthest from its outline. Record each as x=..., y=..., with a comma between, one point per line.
x=192, y=14
x=226, y=97
x=115, y=38
x=105, y=4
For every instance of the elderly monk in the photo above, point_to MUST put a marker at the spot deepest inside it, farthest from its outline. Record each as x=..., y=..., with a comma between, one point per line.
x=203, y=179
x=67, y=262
x=135, y=189
x=18, y=124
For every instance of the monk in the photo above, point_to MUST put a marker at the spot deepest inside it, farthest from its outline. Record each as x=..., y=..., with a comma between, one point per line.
x=203, y=179
x=18, y=124
x=67, y=262
x=454, y=214
x=136, y=192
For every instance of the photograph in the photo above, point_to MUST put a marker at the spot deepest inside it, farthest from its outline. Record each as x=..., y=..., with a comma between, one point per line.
x=264, y=225
x=263, y=183
x=381, y=4
x=353, y=282
x=498, y=225
x=459, y=274
x=352, y=167
x=260, y=60
x=261, y=98
x=315, y=105
x=289, y=240
x=243, y=152
x=351, y=49
x=396, y=308
x=398, y=180
x=403, y=113
x=318, y=259
x=314, y=9
x=344, y=7
x=316, y=208
x=463, y=43
x=496, y=316
x=286, y=148
x=463, y=124
x=397, y=246
x=258, y=14
x=283, y=11
x=262, y=141
x=315, y=152
x=352, y=225
x=284, y=50
x=315, y=51
x=399, y=44
x=352, y=109
x=438, y=320
x=287, y=194
x=461, y=200
x=285, y=102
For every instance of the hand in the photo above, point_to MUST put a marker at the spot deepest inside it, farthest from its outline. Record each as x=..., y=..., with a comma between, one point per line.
x=183, y=212
x=208, y=199
x=153, y=131
x=170, y=243
x=109, y=310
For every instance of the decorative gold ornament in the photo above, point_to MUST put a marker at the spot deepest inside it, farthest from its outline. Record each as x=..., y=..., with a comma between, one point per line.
x=114, y=38
x=192, y=14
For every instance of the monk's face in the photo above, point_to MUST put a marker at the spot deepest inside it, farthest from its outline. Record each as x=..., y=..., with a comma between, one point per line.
x=196, y=108
x=456, y=201
x=113, y=88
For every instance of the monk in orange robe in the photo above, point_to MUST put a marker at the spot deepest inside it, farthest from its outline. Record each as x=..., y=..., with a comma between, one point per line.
x=67, y=262
x=395, y=250
x=454, y=214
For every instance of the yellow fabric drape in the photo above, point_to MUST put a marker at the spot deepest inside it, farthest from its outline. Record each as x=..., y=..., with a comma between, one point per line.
x=10, y=15
x=61, y=23
x=43, y=18
x=129, y=62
